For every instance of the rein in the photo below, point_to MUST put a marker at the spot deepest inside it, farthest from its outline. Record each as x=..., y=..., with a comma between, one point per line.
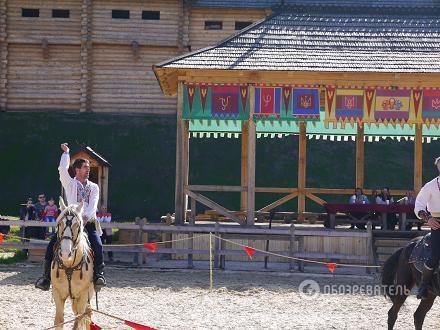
x=70, y=215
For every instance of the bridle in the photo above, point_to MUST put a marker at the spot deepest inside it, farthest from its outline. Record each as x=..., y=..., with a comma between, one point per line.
x=70, y=216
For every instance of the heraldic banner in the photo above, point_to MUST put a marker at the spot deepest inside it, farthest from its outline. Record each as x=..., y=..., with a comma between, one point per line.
x=286, y=103
x=392, y=105
x=203, y=101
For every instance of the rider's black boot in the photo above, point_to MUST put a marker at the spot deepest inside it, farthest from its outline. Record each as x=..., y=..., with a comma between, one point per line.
x=98, y=277
x=43, y=282
x=426, y=281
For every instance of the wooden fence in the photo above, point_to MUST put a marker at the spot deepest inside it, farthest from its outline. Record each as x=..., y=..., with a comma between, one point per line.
x=222, y=234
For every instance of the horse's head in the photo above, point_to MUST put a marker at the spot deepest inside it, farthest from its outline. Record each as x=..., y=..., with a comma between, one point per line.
x=69, y=230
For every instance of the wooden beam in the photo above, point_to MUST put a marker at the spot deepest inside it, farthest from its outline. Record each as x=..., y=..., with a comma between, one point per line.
x=278, y=202
x=216, y=188
x=251, y=144
x=316, y=199
x=244, y=177
x=86, y=57
x=179, y=191
x=213, y=205
x=418, y=158
x=168, y=78
x=302, y=146
x=276, y=190
x=360, y=158
x=3, y=56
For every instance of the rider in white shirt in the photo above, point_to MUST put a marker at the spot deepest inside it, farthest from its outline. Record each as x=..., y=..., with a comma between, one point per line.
x=79, y=189
x=427, y=208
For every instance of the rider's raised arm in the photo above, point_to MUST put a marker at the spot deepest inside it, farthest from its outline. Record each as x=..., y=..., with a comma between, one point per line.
x=92, y=206
x=63, y=169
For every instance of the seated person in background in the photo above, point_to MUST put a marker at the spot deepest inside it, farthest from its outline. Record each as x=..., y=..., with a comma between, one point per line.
x=385, y=198
x=358, y=198
x=107, y=236
x=409, y=199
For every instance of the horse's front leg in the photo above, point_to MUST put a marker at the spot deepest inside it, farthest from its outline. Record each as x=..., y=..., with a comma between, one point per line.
x=424, y=307
x=59, y=314
x=81, y=306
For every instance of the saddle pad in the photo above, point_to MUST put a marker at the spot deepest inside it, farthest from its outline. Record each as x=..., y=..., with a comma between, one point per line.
x=421, y=253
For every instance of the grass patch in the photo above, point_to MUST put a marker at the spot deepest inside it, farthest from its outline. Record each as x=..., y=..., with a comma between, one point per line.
x=19, y=255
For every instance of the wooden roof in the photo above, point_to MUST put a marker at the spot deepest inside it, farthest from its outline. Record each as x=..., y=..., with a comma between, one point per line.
x=327, y=38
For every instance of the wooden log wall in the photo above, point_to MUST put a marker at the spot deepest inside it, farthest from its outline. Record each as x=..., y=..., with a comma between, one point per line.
x=200, y=38
x=90, y=61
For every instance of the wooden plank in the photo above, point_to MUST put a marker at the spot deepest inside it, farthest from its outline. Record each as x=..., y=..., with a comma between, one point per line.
x=179, y=192
x=215, y=188
x=302, y=152
x=244, y=173
x=278, y=202
x=251, y=143
x=276, y=190
x=360, y=162
x=217, y=207
x=316, y=199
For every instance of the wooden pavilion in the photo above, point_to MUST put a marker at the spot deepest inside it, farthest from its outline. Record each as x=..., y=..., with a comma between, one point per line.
x=343, y=63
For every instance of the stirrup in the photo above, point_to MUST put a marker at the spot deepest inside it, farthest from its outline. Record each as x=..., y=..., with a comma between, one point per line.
x=43, y=284
x=99, y=283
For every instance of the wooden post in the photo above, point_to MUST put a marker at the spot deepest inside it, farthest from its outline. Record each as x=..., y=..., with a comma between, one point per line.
x=251, y=161
x=360, y=158
x=86, y=57
x=291, y=247
x=182, y=160
x=302, y=170
x=217, y=246
x=139, y=256
x=192, y=221
x=244, y=173
x=418, y=156
x=370, y=251
x=3, y=56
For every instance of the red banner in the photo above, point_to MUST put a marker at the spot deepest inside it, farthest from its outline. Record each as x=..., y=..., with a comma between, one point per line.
x=369, y=95
x=191, y=89
x=203, y=95
x=1, y=238
x=330, y=93
x=151, y=246
x=138, y=326
x=250, y=251
x=417, y=95
x=331, y=267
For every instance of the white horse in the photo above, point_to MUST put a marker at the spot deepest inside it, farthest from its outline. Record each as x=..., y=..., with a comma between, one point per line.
x=72, y=266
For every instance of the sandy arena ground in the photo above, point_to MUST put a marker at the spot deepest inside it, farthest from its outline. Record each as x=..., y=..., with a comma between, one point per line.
x=180, y=299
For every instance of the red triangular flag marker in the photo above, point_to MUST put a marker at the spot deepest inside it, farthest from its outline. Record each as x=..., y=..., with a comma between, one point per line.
x=151, y=246
x=250, y=251
x=138, y=326
x=331, y=267
x=1, y=238
x=93, y=326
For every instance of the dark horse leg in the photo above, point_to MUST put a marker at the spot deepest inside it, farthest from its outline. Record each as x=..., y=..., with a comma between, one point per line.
x=424, y=306
x=398, y=280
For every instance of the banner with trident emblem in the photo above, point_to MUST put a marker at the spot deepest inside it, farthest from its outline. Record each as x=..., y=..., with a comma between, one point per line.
x=204, y=101
x=286, y=103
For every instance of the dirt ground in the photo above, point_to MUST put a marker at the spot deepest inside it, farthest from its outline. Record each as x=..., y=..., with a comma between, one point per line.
x=181, y=299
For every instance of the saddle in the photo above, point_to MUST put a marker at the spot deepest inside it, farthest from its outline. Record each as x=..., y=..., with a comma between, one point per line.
x=421, y=253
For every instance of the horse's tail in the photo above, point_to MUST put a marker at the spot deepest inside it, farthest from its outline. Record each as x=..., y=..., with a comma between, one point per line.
x=391, y=267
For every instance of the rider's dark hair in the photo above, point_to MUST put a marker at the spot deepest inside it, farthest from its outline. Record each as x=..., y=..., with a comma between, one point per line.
x=78, y=163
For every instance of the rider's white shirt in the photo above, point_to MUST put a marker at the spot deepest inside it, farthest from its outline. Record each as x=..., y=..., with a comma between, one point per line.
x=75, y=191
x=429, y=197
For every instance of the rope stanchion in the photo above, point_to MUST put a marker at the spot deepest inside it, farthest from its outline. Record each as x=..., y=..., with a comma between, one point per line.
x=210, y=261
x=298, y=259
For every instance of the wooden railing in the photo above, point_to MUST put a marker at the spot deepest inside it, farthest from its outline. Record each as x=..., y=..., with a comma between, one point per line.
x=232, y=231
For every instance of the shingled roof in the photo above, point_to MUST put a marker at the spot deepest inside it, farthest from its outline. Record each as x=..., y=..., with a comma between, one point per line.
x=330, y=37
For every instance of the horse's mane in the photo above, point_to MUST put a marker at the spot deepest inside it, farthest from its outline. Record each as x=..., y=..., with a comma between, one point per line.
x=83, y=240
